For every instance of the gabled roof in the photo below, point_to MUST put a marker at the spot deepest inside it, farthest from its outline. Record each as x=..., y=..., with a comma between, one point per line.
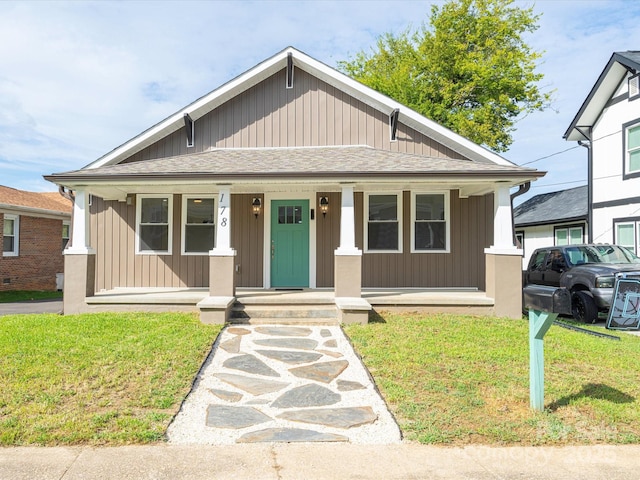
x=243, y=82
x=608, y=82
x=555, y=207
x=45, y=202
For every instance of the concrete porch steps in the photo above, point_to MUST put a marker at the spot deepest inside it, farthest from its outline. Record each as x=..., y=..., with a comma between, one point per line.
x=284, y=314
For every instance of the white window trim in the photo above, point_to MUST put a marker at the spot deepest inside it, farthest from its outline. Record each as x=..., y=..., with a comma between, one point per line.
x=636, y=234
x=16, y=235
x=568, y=230
x=170, y=225
x=68, y=224
x=447, y=221
x=627, y=150
x=183, y=222
x=399, y=209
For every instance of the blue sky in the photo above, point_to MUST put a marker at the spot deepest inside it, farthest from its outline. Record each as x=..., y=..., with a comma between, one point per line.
x=78, y=79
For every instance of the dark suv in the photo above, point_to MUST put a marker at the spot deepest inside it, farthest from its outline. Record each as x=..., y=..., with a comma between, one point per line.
x=589, y=272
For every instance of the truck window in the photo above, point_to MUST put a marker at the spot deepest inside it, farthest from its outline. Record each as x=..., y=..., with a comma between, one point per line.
x=537, y=261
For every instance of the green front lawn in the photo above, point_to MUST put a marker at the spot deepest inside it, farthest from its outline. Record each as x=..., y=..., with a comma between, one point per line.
x=26, y=295
x=460, y=380
x=97, y=379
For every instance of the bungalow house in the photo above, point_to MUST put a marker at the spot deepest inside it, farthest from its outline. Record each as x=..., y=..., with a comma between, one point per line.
x=555, y=218
x=295, y=176
x=35, y=232
x=608, y=124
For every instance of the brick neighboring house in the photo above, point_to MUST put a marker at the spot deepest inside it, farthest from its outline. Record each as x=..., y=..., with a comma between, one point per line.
x=36, y=227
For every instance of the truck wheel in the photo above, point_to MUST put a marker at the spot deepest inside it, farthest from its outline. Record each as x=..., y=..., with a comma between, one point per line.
x=583, y=307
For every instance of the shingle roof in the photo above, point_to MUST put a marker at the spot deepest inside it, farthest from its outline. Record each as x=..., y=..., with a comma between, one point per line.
x=294, y=162
x=554, y=207
x=51, y=201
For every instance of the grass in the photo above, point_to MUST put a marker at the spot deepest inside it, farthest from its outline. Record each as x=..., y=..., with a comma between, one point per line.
x=26, y=295
x=459, y=380
x=96, y=379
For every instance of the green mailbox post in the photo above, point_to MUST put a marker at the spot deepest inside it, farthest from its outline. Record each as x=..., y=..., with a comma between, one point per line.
x=544, y=304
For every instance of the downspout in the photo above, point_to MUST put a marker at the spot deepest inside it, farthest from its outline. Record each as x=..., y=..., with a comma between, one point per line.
x=588, y=145
x=522, y=189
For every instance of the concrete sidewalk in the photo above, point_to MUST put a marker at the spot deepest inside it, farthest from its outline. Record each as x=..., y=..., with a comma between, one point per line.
x=319, y=462
x=53, y=305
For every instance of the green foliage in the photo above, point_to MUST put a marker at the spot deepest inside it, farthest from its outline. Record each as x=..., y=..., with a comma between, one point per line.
x=27, y=295
x=470, y=70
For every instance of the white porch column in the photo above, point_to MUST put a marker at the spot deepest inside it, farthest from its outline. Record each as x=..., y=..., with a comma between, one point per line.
x=347, y=224
x=79, y=259
x=347, y=258
x=80, y=234
x=222, y=257
x=503, y=260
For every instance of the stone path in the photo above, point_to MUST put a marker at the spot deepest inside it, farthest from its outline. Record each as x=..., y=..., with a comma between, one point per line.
x=283, y=384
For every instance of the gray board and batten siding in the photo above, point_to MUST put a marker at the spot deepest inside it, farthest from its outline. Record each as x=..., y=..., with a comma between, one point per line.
x=313, y=113
x=117, y=265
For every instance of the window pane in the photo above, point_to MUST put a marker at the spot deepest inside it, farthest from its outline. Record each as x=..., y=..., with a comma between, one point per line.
x=200, y=210
x=430, y=207
x=154, y=237
x=297, y=214
x=624, y=235
x=633, y=138
x=282, y=215
x=634, y=161
x=575, y=236
x=7, y=244
x=198, y=238
x=561, y=237
x=8, y=226
x=155, y=210
x=383, y=207
x=65, y=230
x=430, y=236
x=383, y=236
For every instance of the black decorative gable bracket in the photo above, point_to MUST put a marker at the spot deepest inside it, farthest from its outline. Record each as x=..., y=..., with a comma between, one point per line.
x=189, y=126
x=289, y=70
x=393, y=123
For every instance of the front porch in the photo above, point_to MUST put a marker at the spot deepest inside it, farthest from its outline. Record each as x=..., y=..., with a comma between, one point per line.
x=310, y=306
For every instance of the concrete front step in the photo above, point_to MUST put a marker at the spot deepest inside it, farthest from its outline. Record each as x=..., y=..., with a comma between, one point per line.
x=322, y=314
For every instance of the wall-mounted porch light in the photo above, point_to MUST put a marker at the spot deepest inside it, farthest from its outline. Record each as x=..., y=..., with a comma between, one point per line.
x=324, y=205
x=257, y=206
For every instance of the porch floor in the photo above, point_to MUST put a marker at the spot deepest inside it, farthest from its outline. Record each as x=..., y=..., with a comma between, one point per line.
x=378, y=297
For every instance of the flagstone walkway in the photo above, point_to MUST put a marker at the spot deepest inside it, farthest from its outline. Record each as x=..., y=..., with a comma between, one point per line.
x=283, y=384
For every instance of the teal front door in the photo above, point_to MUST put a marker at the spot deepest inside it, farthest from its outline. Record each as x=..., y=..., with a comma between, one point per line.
x=289, y=243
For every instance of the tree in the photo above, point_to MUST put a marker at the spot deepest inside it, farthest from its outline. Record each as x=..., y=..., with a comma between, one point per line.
x=469, y=70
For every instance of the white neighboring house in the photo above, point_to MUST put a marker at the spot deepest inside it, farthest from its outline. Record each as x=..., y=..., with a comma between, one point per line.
x=556, y=218
x=608, y=123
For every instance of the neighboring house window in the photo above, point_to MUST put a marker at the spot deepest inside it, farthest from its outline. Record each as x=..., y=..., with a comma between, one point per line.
x=628, y=235
x=198, y=225
x=153, y=220
x=383, y=220
x=66, y=228
x=632, y=149
x=569, y=235
x=520, y=239
x=430, y=222
x=10, y=239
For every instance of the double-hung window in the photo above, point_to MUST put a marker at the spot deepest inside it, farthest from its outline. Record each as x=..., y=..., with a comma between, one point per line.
x=430, y=222
x=66, y=231
x=569, y=235
x=153, y=220
x=632, y=149
x=10, y=238
x=198, y=225
x=628, y=234
x=383, y=222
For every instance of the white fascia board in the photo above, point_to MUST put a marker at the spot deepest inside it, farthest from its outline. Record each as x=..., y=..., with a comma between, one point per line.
x=381, y=102
x=197, y=109
x=326, y=73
